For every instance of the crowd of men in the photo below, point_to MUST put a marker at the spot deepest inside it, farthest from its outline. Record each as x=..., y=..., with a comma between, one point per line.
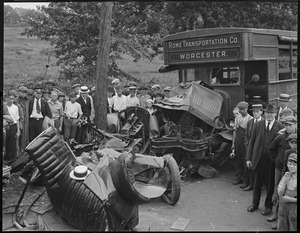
x=265, y=147
x=29, y=112
x=265, y=142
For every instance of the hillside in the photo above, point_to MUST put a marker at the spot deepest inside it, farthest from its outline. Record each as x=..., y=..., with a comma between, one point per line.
x=25, y=62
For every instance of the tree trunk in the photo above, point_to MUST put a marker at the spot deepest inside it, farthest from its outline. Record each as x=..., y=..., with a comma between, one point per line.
x=102, y=65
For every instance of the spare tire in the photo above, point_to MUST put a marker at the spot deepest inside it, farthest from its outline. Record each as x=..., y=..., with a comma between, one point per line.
x=123, y=179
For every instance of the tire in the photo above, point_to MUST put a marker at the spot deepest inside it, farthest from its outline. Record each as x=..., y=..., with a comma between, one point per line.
x=172, y=194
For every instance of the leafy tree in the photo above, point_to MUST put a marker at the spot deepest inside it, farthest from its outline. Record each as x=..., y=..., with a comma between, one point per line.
x=73, y=28
x=138, y=27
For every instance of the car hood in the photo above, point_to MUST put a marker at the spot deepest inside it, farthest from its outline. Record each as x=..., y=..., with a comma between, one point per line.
x=192, y=97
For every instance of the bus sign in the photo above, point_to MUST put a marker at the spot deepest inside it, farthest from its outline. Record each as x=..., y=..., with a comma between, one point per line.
x=204, y=48
x=204, y=42
x=204, y=55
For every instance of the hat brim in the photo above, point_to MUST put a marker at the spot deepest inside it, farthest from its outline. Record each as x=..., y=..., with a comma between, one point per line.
x=284, y=100
x=79, y=178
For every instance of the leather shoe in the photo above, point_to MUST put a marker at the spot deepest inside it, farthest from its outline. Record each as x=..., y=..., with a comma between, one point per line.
x=271, y=219
x=266, y=211
x=248, y=188
x=243, y=186
x=237, y=182
x=252, y=208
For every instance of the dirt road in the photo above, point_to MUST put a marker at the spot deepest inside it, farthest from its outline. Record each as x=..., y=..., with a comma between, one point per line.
x=209, y=204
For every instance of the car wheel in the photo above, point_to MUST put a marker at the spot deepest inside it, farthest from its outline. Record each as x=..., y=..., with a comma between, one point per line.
x=172, y=194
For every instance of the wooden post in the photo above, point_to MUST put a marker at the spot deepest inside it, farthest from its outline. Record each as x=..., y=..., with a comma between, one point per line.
x=102, y=65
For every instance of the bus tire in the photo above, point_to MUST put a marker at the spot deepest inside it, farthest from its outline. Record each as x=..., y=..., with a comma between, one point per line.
x=172, y=194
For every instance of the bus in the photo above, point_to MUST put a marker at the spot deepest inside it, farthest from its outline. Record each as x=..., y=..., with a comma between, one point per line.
x=248, y=64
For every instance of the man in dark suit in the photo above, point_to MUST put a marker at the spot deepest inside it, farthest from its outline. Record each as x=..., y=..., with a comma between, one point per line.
x=86, y=106
x=38, y=109
x=257, y=111
x=259, y=158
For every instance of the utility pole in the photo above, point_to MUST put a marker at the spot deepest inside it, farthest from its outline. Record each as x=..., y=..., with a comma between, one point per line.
x=102, y=65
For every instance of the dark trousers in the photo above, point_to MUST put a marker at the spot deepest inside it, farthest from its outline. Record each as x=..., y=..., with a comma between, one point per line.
x=264, y=173
x=240, y=152
x=81, y=133
x=11, y=143
x=35, y=127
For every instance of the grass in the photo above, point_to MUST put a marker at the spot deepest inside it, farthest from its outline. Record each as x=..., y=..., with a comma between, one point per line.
x=25, y=58
x=25, y=62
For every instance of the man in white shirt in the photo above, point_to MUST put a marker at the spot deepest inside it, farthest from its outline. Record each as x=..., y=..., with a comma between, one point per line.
x=132, y=100
x=14, y=130
x=73, y=113
x=119, y=100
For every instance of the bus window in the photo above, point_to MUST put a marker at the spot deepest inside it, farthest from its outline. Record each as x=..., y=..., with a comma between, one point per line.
x=225, y=76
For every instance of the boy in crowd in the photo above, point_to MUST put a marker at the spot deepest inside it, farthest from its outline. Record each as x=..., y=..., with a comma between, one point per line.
x=110, y=93
x=277, y=148
x=287, y=192
x=132, y=100
x=13, y=133
x=143, y=96
x=57, y=111
x=73, y=113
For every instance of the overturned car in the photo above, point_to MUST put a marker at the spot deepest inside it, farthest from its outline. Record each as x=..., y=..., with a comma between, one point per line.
x=194, y=127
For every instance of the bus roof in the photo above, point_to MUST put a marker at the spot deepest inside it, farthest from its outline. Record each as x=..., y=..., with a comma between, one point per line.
x=218, y=31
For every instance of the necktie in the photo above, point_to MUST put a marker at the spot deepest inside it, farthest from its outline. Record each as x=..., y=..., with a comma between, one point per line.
x=38, y=107
x=268, y=127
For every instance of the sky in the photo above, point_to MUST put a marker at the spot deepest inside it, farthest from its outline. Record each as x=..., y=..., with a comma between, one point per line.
x=27, y=5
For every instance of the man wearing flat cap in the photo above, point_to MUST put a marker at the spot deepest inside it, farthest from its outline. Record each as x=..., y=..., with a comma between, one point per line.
x=277, y=148
x=257, y=111
x=287, y=192
x=238, y=144
x=259, y=158
x=292, y=141
x=24, y=102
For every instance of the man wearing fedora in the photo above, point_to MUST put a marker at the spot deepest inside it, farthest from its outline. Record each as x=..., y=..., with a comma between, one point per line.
x=284, y=100
x=257, y=111
x=38, y=109
x=238, y=144
x=259, y=158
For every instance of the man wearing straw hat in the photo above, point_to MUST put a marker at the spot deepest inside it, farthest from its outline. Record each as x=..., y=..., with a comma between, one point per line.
x=284, y=100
